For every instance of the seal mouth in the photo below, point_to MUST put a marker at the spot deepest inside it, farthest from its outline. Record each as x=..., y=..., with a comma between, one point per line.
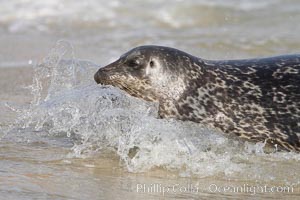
x=101, y=77
x=104, y=74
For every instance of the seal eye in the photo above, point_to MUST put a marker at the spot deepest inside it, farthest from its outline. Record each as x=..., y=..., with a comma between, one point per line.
x=152, y=64
x=133, y=63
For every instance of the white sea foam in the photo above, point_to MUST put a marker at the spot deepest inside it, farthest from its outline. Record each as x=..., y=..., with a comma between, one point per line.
x=43, y=15
x=101, y=119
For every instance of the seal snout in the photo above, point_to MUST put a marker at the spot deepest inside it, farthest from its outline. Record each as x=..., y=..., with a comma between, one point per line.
x=100, y=75
x=96, y=77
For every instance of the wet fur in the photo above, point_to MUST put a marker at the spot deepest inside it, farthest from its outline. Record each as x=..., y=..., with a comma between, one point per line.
x=255, y=99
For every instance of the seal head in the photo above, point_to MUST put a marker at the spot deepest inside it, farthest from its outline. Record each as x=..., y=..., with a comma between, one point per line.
x=255, y=99
x=152, y=73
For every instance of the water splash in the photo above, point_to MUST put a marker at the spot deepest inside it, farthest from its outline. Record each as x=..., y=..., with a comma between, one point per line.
x=67, y=103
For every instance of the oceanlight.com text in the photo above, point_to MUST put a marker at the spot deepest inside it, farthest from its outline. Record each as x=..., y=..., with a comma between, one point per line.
x=251, y=189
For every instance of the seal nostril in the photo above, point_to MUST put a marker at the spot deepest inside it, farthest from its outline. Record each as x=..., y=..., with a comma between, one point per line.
x=96, y=78
x=102, y=75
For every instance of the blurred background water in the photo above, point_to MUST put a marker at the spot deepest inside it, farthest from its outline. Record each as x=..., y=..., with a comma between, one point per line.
x=101, y=30
x=64, y=137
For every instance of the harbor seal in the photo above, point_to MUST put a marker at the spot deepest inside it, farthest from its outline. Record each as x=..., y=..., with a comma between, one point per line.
x=255, y=99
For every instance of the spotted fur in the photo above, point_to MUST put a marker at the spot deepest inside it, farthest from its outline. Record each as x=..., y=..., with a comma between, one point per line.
x=255, y=99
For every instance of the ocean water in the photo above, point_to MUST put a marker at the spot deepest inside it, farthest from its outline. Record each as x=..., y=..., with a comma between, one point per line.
x=75, y=139
x=102, y=30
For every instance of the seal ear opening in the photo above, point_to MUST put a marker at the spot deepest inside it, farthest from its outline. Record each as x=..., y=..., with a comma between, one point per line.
x=152, y=64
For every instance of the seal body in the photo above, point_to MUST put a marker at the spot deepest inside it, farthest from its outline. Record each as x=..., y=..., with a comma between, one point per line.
x=255, y=99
